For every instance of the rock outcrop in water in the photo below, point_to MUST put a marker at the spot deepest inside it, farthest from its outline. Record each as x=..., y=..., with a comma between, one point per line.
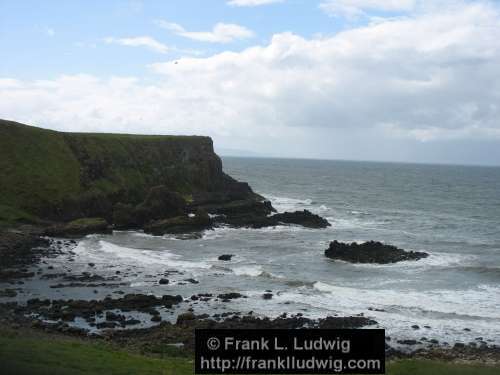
x=370, y=252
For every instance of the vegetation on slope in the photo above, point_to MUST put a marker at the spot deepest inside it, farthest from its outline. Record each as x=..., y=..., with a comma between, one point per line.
x=53, y=175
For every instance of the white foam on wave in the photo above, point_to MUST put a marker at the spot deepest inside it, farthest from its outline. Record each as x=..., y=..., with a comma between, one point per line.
x=435, y=259
x=253, y=271
x=151, y=258
x=288, y=204
x=480, y=302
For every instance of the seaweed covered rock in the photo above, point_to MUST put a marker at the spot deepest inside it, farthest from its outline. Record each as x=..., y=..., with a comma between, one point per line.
x=79, y=227
x=370, y=252
x=180, y=224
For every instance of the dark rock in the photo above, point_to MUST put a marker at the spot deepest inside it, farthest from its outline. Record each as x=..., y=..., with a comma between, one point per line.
x=304, y=218
x=17, y=247
x=408, y=342
x=370, y=252
x=156, y=318
x=163, y=281
x=185, y=317
x=345, y=322
x=79, y=228
x=192, y=281
x=160, y=203
x=229, y=296
x=415, y=326
x=267, y=296
x=258, y=219
x=9, y=293
x=180, y=224
x=225, y=257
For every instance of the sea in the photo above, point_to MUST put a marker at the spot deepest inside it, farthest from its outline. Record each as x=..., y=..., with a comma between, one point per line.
x=451, y=212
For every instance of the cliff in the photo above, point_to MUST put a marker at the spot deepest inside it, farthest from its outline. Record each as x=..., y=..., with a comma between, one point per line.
x=54, y=176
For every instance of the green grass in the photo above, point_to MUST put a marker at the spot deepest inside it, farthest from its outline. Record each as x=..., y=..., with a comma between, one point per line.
x=43, y=172
x=36, y=353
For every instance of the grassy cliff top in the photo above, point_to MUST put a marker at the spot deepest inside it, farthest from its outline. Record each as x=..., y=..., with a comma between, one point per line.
x=42, y=170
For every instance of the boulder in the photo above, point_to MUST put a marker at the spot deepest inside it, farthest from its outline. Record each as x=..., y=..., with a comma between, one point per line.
x=370, y=252
x=226, y=257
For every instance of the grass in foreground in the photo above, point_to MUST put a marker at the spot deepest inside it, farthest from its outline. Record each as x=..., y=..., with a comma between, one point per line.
x=39, y=354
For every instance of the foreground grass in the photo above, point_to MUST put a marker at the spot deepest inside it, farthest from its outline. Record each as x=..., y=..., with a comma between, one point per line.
x=22, y=353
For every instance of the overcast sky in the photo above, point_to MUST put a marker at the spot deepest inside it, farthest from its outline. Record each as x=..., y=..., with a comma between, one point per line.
x=395, y=80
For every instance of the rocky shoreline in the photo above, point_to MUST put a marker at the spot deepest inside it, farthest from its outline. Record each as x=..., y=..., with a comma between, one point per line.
x=122, y=318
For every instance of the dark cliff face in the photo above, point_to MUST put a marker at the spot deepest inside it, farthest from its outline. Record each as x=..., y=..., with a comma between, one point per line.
x=61, y=176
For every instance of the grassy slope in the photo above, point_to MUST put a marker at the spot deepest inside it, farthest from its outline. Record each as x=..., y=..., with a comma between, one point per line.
x=36, y=167
x=40, y=168
x=38, y=354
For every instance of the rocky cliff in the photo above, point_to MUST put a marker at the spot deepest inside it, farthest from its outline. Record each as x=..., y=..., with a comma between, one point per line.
x=53, y=176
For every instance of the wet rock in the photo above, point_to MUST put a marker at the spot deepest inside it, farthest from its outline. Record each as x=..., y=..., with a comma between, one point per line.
x=370, y=252
x=9, y=274
x=225, y=257
x=267, y=296
x=185, y=317
x=180, y=224
x=192, y=281
x=407, y=342
x=17, y=246
x=345, y=322
x=9, y=293
x=163, y=282
x=79, y=228
x=415, y=326
x=156, y=318
x=104, y=325
x=304, y=218
x=229, y=296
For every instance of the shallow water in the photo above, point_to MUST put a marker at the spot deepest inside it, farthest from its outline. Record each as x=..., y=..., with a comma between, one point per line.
x=452, y=212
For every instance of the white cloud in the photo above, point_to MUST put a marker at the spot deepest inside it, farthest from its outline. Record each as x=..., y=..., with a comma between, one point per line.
x=356, y=8
x=252, y=3
x=139, y=41
x=50, y=32
x=221, y=32
x=356, y=90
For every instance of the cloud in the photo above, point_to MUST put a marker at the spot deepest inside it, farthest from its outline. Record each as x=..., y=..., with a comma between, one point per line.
x=364, y=90
x=252, y=3
x=50, y=32
x=357, y=8
x=221, y=32
x=139, y=41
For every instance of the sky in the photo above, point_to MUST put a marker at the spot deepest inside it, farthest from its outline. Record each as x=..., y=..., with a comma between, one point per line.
x=378, y=80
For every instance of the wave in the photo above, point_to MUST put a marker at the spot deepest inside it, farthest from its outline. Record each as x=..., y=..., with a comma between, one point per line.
x=104, y=250
x=248, y=271
x=480, y=302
